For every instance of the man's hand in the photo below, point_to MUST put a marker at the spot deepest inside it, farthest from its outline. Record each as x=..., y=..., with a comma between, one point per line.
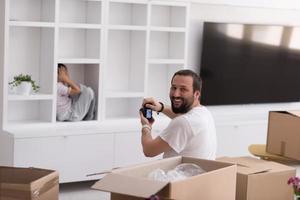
x=144, y=120
x=152, y=103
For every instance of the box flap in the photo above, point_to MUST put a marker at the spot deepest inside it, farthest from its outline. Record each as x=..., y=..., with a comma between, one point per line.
x=129, y=185
x=294, y=112
x=291, y=112
x=252, y=170
x=247, y=165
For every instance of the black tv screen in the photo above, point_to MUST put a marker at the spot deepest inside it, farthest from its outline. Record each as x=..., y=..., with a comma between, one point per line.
x=246, y=63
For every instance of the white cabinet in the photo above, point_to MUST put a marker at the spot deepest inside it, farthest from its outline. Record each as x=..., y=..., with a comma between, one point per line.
x=128, y=149
x=116, y=47
x=87, y=154
x=74, y=156
x=124, y=49
x=32, y=151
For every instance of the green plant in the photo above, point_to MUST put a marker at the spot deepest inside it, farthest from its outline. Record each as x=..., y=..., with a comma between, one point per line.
x=21, y=78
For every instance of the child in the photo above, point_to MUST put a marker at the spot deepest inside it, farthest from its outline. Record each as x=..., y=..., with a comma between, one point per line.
x=74, y=102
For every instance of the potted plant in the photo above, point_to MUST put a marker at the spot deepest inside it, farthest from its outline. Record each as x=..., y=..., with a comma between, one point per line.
x=295, y=182
x=23, y=84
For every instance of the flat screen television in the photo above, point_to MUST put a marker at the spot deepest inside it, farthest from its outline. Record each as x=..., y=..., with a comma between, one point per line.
x=248, y=63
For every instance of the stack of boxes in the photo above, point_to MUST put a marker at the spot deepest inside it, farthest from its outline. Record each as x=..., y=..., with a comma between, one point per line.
x=228, y=178
x=283, y=145
x=284, y=134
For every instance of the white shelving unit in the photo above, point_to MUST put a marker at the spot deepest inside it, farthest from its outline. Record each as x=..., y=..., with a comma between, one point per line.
x=123, y=49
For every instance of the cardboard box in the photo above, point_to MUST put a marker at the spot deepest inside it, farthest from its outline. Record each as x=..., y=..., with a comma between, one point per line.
x=284, y=134
x=218, y=182
x=261, y=180
x=28, y=184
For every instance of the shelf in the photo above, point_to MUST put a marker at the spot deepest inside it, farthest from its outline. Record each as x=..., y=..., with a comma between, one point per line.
x=40, y=129
x=79, y=61
x=80, y=26
x=167, y=29
x=31, y=24
x=82, y=12
x=126, y=56
x=166, y=61
x=125, y=13
x=30, y=97
x=130, y=1
x=125, y=108
x=31, y=52
x=164, y=15
x=29, y=111
x=119, y=94
x=32, y=10
x=167, y=45
x=127, y=27
x=79, y=43
x=159, y=82
x=18, y=127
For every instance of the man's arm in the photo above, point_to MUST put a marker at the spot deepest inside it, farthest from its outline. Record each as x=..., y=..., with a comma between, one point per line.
x=157, y=106
x=168, y=111
x=153, y=147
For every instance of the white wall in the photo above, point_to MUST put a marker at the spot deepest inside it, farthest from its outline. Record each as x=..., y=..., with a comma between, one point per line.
x=239, y=126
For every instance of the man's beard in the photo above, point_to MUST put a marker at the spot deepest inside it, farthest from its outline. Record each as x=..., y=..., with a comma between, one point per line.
x=184, y=107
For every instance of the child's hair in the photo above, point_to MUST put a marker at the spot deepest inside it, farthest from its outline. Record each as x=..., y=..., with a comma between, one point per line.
x=60, y=65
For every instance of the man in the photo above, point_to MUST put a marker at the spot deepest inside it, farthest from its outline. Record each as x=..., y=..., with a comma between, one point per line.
x=191, y=131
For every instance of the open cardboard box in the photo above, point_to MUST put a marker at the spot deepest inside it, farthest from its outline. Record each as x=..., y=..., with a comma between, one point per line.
x=261, y=180
x=28, y=184
x=284, y=134
x=218, y=182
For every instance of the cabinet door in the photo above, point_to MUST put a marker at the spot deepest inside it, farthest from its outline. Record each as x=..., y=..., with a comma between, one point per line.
x=43, y=152
x=74, y=157
x=87, y=154
x=128, y=149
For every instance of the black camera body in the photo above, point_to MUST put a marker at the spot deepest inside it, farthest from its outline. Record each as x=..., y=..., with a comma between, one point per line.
x=147, y=112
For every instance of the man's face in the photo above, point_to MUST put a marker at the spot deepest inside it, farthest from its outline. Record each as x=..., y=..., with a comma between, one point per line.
x=181, y=94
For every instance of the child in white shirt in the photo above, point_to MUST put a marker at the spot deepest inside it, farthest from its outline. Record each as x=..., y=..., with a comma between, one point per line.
x=74, y=102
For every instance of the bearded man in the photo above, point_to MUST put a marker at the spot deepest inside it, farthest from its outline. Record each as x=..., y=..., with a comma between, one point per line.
x=191, y=131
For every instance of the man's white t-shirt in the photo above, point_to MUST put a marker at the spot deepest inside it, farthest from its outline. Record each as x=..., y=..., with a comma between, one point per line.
x=192, y=134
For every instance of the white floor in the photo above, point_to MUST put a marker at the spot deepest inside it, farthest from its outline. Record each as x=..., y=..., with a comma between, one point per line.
x=81, y=191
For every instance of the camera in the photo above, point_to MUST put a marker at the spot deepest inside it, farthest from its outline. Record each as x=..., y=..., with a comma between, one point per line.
x=147, y=112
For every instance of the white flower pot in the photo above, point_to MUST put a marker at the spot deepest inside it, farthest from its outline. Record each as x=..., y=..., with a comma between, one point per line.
x=24, y=88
